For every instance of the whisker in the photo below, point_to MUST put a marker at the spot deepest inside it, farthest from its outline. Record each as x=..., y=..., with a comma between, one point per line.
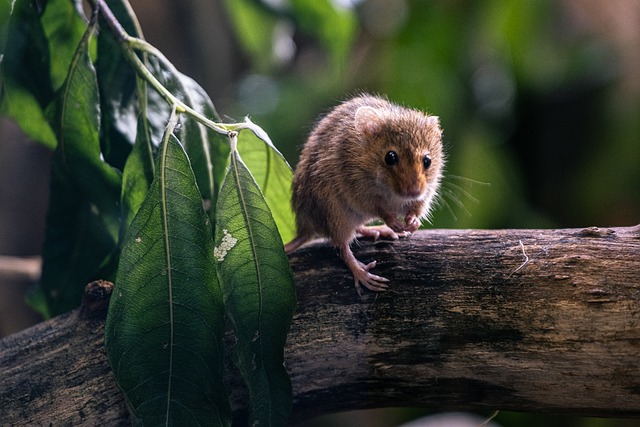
x=451, y=186
x=471, y=180
x=442, y=202
x=456, y=200
x=454, y=192
x=453, y=197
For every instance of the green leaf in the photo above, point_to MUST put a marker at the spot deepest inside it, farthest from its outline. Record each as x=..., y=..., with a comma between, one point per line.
x=64, y=27
x=165, y=323
x=29, y=77
x=120, y=106
x=157, y=107
x=117, y=81
x=6, y=10
x=78, y=244
x=84, y=212
x=257, y=283
x=138, y=170
x=24, y=72
x=273, y=175
x=208, y=151
x=77, y=122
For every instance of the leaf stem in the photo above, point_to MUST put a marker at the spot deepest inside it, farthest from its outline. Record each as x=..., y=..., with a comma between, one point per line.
x=146, y=47
x=233, y=140
x=129, y=45
x=114, y=25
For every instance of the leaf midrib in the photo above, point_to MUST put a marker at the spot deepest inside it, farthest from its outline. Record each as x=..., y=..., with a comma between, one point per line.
x=165, y=225
x=249, y=228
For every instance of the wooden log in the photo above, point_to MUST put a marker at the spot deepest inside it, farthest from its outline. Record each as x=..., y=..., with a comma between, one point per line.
x=526, y=320
x=56, y=373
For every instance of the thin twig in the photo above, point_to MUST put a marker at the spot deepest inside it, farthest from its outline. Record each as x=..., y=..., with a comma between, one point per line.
x=18, y=268
x=488, y=420
x=525, y=262
x=114, y=25
x=129, y=44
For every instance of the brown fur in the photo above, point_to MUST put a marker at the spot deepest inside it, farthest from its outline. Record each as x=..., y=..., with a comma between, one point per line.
x=342, y=181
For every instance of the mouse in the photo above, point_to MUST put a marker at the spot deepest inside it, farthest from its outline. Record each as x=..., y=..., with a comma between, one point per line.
x=367, y=159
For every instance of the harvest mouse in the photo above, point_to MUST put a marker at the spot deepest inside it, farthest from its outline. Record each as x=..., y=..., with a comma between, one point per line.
x=367, y=159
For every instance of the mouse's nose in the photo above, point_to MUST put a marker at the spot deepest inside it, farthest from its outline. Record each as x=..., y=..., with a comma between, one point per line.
x=413, y=189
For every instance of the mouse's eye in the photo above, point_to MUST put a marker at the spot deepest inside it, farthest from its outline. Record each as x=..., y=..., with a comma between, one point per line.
x=391, y=158
x=426, y=161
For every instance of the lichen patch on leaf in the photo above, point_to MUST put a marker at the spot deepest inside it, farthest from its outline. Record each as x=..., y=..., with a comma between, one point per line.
x=228, y=242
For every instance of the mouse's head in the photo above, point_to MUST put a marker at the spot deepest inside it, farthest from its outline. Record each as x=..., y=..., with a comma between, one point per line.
x=405, y=148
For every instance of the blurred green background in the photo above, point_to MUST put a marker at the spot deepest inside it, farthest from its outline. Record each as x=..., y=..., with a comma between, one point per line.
x=539, y=101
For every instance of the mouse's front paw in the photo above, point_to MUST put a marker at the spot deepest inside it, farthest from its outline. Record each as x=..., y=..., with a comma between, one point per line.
x=395, y=224
x=412, y=223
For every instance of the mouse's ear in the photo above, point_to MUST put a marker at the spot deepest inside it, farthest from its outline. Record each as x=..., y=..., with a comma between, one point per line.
x=433, y=121
x=433, y=126
x=368, y=120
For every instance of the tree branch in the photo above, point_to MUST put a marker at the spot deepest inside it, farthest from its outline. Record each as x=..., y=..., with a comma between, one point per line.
x=527, y=320
x=20, y=268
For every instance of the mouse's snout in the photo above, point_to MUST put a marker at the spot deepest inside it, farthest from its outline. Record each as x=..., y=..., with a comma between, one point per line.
x=413, y=187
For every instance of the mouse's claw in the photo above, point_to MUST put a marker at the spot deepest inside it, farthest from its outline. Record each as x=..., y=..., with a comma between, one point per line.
x=395, y=224
x=370, y=281
x=361, y=273
x=413, y=223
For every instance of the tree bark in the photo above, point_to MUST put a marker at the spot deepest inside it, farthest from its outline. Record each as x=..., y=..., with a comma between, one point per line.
x=526, y=320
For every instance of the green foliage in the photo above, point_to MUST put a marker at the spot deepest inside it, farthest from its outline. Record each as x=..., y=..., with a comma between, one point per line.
x=273, y=175
x=255, y=31
x=138, y=169
x=119, y=104
x=136, y=200
x=25, y=76
x=333, y=26
x=257, y=21
x=208, y=150
x=84, y=216
x=255, y=276
x=498, y=73
x=165, y=325
x=63, y=28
